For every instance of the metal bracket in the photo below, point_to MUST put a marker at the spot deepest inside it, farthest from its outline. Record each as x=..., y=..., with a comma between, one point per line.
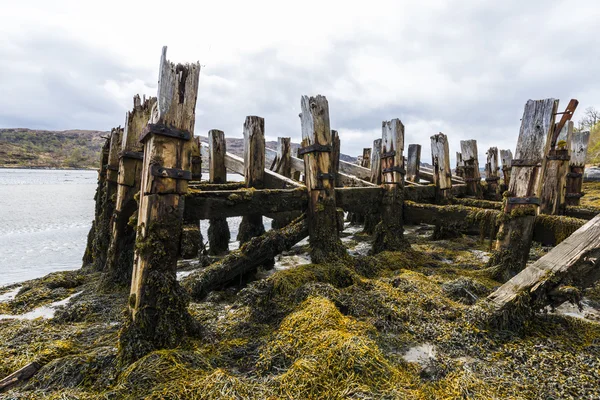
x=157, y=170
x=314, y=148
x=111, y=168
x=492, y=179
x=574, y=174
x=163, y=130
x=196, y=177
x=560, y=156
x=137, y=155
x=394, y=169
x=525, y=163
x=524, y=200
x=472, y=179
x=325, y=175
x=196, y=160
x=574, y=195
x=389, y=154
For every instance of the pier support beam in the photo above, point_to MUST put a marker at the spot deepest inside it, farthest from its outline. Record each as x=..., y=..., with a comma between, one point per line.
x=158, y=315
x=471, y=167
x=366, y=158
x=578, y=145
x=460, y=165
x=442, y=173
x=389, y=233
x=218, y=229
x=492, y=178
x=325, y=243
x=374, y=216
x=282, y=164
x=506, y=157
x=413, y=163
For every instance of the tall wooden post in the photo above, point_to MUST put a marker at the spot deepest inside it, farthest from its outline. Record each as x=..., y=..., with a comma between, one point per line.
x=335, y=157
x=516, y=231
x=366, y=158
x=282, y=164
x=506, y=157
x=389, y=233
x=119, y=264
x=218, y=229
x=158, y=304
x=254, y=171
x=196, y=159
x=442, y=173
x=492, y=177
x=373, y=215
x=471, y=167
x=413, y=163
x=325, y=243
x=103, y=228
x=192, y=242
x=578, y=145
x=460, y=165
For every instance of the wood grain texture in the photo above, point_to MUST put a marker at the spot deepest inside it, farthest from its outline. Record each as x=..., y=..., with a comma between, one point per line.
x=335, y=157
x=440, y=158
x=366, y=158
x=217, y=148
x=506, y=158
x=492, y=176
x=460, y=170
x=376, y=162
x=578, y=146
x=413, y=163
x=470, y=159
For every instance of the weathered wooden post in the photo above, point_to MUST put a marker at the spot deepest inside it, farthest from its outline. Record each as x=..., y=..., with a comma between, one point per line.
x=460, y=165
x=442, y=173
x=366, y=158
x=522, y=198
x=282, y=164
x=325, y=243
x=555, y=166
x=471, y=167
x=506, y=156
x=218, y=229
x=373, y=216
x=578, y=145
x=389, y=233
x=103, y=228
x=119, y=264
x=158, y=304
x=492, y=177
x=254, y=173
x=196, y=159
x=413, y=163
x=335, y=157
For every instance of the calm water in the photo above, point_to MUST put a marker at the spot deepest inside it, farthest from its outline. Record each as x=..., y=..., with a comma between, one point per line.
x=45, y=216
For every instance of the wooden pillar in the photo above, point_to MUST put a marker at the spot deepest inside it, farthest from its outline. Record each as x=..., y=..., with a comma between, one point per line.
x=218, y=229
x=325, y=243
x=555, y=167
x=335, y=157
x=389, y=233
x=442, y=173
x=254, y=171
x=522, y=198
x=158, y=304
x=578, y=145
x=460, y=165
x=471, y=166
x=119, y=264
x=373, y=216
x=492, y=177
x=282, y=164
x=103, y=228
x=506, y=156
x=413, y=163
x=197, y=159
x=366, y=158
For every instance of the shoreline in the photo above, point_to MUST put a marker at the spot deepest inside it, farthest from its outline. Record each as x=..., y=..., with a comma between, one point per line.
x=50, y=168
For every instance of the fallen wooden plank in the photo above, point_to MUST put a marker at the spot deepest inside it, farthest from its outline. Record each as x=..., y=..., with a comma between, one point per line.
x=550, y=280
x=19, y=376
x=229, y=203
x=249, y=257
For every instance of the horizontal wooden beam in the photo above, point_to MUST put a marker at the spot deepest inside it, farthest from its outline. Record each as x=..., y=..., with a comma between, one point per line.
x=353, y=181
x=359, y=199
x=229, y=203
x=211, y=187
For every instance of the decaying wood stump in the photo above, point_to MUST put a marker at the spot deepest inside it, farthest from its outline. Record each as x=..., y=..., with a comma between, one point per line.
x=158, y=316
x=119, y=264
x=218, y=229
x=516, y=231
x=389, y=233
x=325, y=243
x=578, y=144
x=254, y=171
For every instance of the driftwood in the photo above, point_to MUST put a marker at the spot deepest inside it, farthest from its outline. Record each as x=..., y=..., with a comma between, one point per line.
x=19, y=376
x=554, y=278
x=248, y=258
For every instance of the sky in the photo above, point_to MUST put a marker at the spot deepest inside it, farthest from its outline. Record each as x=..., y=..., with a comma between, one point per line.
x=462, y=67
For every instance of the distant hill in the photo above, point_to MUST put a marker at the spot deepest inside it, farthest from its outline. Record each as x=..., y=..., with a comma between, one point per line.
x=29, y=148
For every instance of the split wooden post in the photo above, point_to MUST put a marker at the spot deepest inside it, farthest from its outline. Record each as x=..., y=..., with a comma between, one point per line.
x=119, y=264
x=413, y=163
x=471, y=167
x=460, y=165
x=373, y=217
x=516, y=231
x=492, y=177
x=325, y=243
x=218, y=229
x=254, y=172
x=335, y=157
x=158, y=304
x=506, y=157
x=578, y=145
x=366, y=158
x=389, y=233
x=103, y=228
x=442, y=173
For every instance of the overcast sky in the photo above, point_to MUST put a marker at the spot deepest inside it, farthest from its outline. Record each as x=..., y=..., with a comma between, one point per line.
x=464, y=68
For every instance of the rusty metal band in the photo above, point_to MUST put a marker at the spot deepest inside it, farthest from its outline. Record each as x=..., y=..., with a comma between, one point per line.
x=111, y=168
x=136, y=155
x=395, y=169
x=196, y=177
x=472, y=179
x=525, y=163
x=163, y=130
x=196, y=160
x=574, y=175
x=388, y=154
x=560, y=157
x=314, y=148
x=524, y=200
x=492, y=179
x=174, y=173
x=573, y=195
x=327, y=175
